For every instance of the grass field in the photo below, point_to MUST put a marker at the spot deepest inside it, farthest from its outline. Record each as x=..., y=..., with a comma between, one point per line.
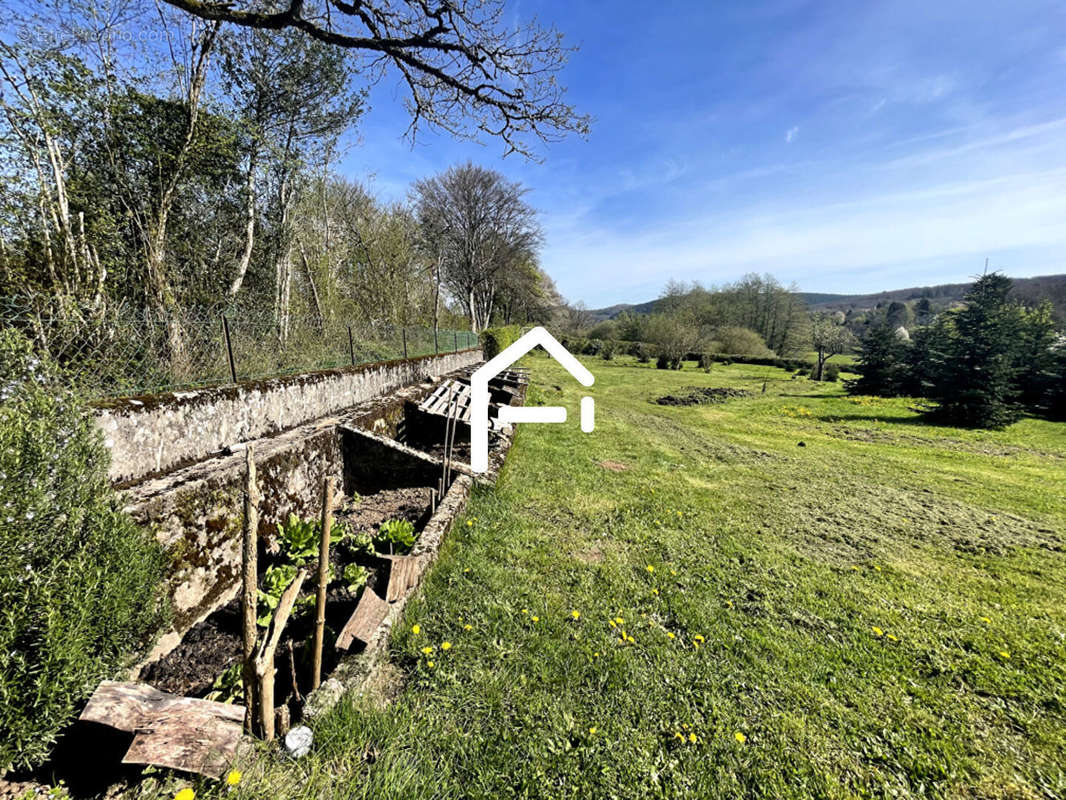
x=725, y=613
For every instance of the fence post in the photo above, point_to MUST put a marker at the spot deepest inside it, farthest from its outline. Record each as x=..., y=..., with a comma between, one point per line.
x=456, y=334
x=404, y=332
x=436, y=342
x=229, y=349
x=351, y=345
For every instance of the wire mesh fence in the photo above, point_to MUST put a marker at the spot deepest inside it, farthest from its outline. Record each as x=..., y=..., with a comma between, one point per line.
x=116, y=351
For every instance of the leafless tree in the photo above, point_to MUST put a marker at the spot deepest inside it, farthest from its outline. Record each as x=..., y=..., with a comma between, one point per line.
x=479, y=227
x=460, y=61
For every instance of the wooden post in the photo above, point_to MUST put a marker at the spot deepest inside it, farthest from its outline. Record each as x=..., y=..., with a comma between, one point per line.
x=436, y=342
x=404, y=332
x=264, y=661
x=456, y=338
x=323, y=579
x=249, y=586
x=351, y=345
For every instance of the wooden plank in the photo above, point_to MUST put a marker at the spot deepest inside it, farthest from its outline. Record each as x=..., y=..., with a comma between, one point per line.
x=188, y=740
x=402, y=575
x=365, y=620
x=131, y=706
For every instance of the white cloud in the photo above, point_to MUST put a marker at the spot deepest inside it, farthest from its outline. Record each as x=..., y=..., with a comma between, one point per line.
x=790, y=134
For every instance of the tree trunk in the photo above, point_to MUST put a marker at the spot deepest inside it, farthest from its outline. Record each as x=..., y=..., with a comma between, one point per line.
x=249, y=227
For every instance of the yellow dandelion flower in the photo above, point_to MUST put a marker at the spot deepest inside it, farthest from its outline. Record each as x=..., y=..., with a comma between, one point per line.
x=698, y=638
x=592, y=731
x=445, y=645
x=854, y=567
x=185, y=794
x=596, y=654
x=535, y=619
x=431, y=664
x=693, y=738
x=650, y=568
x=620, y=621
x=611, y=622
x=416, y=629
x=877, y=631
x=469, y=523
x=670, y=636
x=655, y=591
x=695, y=645
x=575, y=614
x=986, y=620
x=740, y=737
x=427, y=649
x=680, y=514
x=1004, y=654
x=233, y=778
x=468, y=627
x=466, y=570
x=892, y=638
x=877, y=567
x=729, y=603
x=525, y=610
x=678, y=735
x=673, y=572
x=630, y=640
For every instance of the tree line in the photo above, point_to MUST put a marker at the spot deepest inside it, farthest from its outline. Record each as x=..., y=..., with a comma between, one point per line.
x=982, y=364
x=197, y=167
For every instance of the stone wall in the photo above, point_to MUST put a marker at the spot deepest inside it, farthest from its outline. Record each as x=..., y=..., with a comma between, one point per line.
x=153, y=435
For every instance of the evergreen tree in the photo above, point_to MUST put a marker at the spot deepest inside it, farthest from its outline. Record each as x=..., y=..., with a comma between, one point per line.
x=882, y=363
x=976, y=384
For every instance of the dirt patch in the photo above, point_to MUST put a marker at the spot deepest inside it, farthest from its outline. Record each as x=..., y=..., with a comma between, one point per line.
x=593, y=555
x=698, y=396
x=367, y=514
x=614, y=466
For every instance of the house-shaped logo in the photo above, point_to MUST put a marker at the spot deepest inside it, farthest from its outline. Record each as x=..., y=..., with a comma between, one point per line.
x=479, y=391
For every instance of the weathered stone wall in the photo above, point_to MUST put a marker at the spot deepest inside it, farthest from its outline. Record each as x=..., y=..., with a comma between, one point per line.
x=155, y=434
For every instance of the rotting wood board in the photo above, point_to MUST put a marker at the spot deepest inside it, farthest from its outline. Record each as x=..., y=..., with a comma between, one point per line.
x=365, y=620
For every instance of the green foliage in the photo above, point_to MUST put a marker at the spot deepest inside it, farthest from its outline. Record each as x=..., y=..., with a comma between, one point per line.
x=300, y=539
x=706, y=361
x=608, y=349
x=882, y=364
x=355, y=577
x=228, y=687
x=354, y=541
x=395, y=536
x=735, y=340
x=79, y=580
x=495, y=340
x=275, y=581
x=974, y=379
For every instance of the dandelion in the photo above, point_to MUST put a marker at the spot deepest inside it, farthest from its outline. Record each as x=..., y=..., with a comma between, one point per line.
x=469, y=523
x=427, y=649
x=670, y=636
x=445, y=645
x=854, y=567
x=740, y=737
x=1004, y=654
x=431, y=664
x=986, y=620
x=592, y=731
x=655, y=592
x=892, y=638
x=185, y=794
x=698, y=638
x=233, y=778
x=535, y=619
x=596, y=654
x=680, y=514
x=650, y=568
x=575, y=614
x=877, y=567
x=729, y=603
x=620, y=621
x=673, y=572
x=679, y=736
x=468, y=627
x=525, y=610
x=877, y=631
x=416, y=629
x=693, y=738
x=612, y=623
x=630, y=640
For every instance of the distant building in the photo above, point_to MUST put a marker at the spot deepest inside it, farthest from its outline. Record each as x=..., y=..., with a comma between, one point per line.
x=902, y=335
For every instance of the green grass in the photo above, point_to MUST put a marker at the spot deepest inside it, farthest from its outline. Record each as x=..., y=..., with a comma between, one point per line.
x=882, y=611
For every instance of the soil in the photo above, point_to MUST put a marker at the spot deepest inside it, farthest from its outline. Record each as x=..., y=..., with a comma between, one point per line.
x=409, y=503
x=697, y=396
x=614, y=466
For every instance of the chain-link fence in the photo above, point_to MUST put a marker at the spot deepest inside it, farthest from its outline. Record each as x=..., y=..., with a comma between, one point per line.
x=115, y=351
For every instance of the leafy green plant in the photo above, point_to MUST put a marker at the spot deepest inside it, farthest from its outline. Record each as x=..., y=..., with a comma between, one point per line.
x=79, y=580
x=228, y=687
x=299, y=539
x=396, y=536
x=354, y=541
x=275, y=581
x=355, y=577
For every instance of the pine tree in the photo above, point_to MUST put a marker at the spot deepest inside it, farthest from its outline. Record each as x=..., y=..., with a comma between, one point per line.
x=881, y=363
x=975, y=383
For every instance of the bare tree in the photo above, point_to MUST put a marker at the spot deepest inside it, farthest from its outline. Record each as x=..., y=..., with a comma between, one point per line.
x=479, y=226
x=459, y=60
x=829, y=338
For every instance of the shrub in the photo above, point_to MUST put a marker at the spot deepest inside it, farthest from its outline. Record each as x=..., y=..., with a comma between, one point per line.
x=79, y=580
x=706, y=361
x=495, y=340
x=738, y=341
x=607, y=349
x=641, y=351
x=831, y=372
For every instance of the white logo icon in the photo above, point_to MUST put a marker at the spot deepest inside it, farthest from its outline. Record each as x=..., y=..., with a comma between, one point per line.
x=479, y=391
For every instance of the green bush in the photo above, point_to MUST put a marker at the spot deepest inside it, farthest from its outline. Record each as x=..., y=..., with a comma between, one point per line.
x=495, y=340
x=79, y=580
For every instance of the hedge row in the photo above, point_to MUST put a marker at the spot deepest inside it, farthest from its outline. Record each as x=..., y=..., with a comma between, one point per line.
x=495, y=340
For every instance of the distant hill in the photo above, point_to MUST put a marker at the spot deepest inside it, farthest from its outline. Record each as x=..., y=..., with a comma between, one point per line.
x=1028, y=290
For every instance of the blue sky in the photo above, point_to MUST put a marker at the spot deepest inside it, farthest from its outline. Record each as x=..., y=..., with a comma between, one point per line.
x=849, y=147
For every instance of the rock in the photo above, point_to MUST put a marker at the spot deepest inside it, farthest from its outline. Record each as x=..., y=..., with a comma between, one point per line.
x=298, y=741
x=801, y=444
